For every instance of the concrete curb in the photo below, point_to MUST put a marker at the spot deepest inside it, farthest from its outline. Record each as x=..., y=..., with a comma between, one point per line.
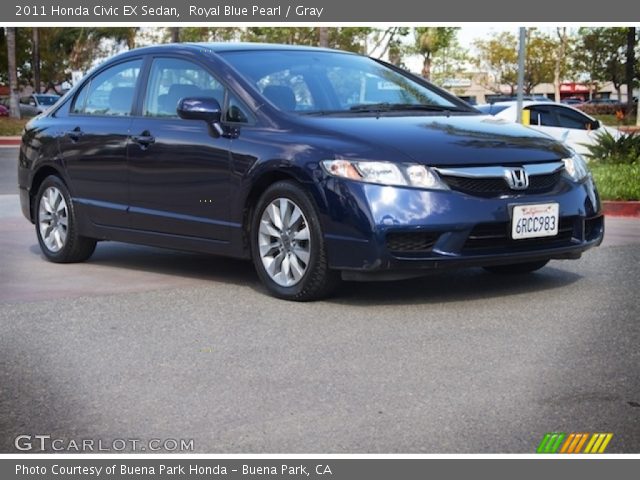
x=10, y=141
x=614, y=208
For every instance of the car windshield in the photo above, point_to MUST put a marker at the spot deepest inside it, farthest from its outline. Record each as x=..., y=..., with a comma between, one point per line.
x=47, y=100
x=492, y=109
x=326, y=82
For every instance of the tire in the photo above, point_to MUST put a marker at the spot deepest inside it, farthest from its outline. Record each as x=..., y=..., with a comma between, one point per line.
x=57, y=224
x=517, y=268
x=287, y=245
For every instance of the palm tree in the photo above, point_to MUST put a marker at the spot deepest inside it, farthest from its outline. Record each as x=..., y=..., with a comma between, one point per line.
x=175, y=34
x=429, y=41
x=323, y=37
x=14, y=106
x=36, y=60
x=630, y=67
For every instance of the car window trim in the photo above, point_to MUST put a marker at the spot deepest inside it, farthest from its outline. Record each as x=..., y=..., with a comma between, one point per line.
x=142, y=93
x=88, y=81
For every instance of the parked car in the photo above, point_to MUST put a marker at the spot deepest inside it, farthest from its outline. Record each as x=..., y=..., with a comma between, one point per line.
x=318, y=165
x=572, y=101
x=562, y=122
x=603, y=101
x=508, y=98
x=4, y=111
x=37, y=103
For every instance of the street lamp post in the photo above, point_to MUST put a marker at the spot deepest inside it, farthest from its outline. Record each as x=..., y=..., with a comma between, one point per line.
x=521, y=54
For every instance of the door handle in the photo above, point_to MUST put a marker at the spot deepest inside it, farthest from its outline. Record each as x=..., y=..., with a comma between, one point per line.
x=75, y=134
x=144, y=139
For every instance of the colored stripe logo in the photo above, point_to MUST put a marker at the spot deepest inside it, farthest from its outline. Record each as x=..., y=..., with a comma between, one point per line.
x=556, y=442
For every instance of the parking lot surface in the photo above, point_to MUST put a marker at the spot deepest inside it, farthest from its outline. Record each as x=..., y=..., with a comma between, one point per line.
x=142, y=343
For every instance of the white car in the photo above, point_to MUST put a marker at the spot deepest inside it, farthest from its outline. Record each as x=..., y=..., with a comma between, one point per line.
x=562, y=122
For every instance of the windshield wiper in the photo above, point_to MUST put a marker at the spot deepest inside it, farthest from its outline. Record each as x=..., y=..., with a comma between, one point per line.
x=400, y=107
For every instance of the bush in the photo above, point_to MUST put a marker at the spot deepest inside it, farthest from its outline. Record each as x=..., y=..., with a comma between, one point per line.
x=611, y=150
x=617, y=182
x=614, y=121
x=12, y=127
x=601, y=108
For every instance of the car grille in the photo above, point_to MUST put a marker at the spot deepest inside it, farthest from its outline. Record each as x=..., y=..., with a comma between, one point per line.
x=497, y=236
x=399, y=242
x=497, y=186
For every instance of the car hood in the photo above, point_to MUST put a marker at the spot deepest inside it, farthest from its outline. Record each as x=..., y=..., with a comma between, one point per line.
x=440, y=140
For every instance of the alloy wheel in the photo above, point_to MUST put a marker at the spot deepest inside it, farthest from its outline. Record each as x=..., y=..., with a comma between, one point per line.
x=53, y=219
x=284, y=242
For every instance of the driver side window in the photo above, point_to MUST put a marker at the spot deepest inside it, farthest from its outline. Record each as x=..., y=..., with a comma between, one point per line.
x=171, y=80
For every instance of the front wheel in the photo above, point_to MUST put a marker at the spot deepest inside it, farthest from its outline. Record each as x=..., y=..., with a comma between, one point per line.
x=517, y=268
x=287, y=245
x=56, y=224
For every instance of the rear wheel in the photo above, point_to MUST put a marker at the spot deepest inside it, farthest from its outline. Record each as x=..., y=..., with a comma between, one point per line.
x=517, y=268
x=287, y=245
x=56, y=224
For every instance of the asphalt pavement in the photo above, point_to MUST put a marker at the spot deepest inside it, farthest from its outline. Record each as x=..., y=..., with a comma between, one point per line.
x=141, y=343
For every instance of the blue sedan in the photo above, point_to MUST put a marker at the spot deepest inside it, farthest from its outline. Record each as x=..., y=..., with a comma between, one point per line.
x=317, y=165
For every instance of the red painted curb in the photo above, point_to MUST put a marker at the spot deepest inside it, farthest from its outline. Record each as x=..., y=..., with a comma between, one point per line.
x=10, y=141
x=621, y=208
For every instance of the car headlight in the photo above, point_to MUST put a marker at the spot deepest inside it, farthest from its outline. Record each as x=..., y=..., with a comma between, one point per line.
x=576, y=167
x=385, y=173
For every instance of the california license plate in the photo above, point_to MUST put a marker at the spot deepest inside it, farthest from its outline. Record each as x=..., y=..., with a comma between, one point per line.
x=534, y=221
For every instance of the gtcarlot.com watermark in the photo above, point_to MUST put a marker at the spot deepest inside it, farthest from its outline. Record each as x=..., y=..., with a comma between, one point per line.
x=47, y=443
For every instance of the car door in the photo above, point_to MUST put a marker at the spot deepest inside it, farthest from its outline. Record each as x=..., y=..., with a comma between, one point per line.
x=93, y=142
x=179, y=169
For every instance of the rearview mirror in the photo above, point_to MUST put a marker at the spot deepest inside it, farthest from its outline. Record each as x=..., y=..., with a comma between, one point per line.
x=201, y=108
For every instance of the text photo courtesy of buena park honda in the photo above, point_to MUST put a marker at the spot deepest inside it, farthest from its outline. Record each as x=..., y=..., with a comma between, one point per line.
x=311, y=239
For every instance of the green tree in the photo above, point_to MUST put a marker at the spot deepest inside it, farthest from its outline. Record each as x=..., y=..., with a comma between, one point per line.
x=345, y=38
x=600, y=56
x=22, y=52
x=429, y=41
x=562, y=54
x=449, y=62
x=498, y=56
x=540, y=60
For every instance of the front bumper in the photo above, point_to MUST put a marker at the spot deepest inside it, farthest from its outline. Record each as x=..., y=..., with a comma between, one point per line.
x=374, y=229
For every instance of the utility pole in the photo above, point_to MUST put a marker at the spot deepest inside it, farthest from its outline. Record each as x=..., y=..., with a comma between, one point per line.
x=521, y=54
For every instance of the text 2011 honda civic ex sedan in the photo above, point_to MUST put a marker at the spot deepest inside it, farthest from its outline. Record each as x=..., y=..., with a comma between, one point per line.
x=317, y=164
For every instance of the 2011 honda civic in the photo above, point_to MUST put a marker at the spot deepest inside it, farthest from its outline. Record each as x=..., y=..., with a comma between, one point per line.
x=318, y=165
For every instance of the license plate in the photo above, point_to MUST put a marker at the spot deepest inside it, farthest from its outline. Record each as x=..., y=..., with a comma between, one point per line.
x=534, y=221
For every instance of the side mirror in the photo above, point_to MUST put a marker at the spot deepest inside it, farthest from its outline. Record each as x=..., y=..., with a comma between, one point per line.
x=593, y=125
x=201, y=108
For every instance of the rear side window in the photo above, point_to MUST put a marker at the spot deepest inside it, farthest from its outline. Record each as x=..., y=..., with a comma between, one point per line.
x=171, y=80
x=110, y=92
x=542, y=116
x=568, y=118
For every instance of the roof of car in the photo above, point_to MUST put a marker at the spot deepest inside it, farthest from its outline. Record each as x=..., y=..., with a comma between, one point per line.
x=509, y=103
x=250, y=46
x=221, y=47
